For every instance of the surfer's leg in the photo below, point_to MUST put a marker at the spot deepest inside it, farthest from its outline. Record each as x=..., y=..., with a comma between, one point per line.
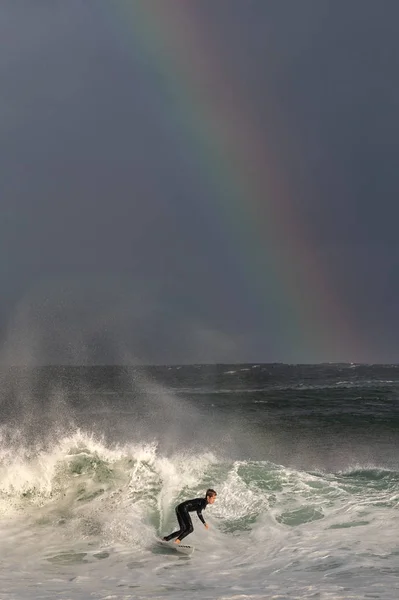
x=169, y=537
x=182, y=525
x=188, y=527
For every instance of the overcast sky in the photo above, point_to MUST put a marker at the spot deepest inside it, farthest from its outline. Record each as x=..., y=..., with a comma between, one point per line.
x=106, y=250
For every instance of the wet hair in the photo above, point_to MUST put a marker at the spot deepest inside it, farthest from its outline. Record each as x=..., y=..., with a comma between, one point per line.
x=210, y=492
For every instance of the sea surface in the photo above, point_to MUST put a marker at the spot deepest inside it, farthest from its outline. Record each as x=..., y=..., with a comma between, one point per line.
x=305, y=460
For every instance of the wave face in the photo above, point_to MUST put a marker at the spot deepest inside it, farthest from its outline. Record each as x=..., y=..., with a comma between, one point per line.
x=92, y=466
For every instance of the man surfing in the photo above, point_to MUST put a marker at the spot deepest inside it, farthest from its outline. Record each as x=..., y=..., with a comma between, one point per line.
x=183, y=515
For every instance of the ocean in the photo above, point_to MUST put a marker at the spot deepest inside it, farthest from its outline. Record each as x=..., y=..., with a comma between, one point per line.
x=304, y=458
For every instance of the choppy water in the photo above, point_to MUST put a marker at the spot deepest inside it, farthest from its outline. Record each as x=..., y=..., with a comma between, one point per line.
x=305, y=461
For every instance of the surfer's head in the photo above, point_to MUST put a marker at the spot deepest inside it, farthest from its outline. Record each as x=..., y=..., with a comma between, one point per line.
x=210, y=496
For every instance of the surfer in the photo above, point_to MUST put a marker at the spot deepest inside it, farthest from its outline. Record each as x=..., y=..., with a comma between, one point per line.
x=183, y=515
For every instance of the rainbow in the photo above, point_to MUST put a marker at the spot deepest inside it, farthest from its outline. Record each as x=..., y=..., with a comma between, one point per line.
x=212, y=109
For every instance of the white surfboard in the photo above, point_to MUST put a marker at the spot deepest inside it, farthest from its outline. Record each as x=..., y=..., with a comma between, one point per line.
x=182, y=548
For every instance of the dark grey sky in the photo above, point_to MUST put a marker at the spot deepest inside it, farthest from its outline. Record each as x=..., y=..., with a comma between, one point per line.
x=107, y=251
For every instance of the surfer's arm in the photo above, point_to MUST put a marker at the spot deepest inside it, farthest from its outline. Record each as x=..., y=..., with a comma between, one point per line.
x=201, y=518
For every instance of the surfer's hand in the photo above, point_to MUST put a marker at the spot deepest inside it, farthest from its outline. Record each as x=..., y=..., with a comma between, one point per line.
x=206, y=525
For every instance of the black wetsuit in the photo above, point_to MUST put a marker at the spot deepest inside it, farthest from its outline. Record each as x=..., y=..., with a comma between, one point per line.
x=183, y=516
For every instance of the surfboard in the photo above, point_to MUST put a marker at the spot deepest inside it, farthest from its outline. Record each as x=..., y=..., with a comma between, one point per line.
x=182, y=548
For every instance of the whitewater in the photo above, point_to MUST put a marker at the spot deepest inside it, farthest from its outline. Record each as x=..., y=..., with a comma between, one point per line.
x=304, y=461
